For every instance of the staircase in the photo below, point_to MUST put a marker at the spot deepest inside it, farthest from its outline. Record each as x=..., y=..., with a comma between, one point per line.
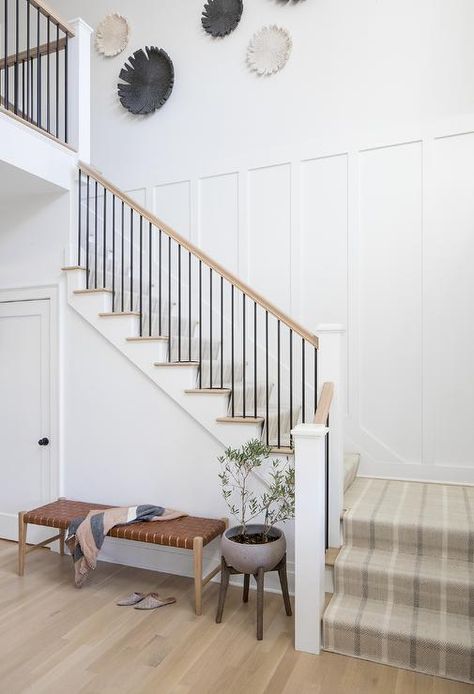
x=404, y=579
x=235, y=362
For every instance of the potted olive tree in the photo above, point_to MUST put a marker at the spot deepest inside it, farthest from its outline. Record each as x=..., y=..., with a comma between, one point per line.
x=255, y=542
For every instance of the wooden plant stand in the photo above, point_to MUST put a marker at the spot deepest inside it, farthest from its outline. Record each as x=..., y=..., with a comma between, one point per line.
x=227, y=571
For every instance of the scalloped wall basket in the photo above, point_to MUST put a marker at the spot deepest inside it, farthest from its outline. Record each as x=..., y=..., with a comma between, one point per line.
x=148, y=79
x=221, y=17
x=269, y=50
x=112, y=34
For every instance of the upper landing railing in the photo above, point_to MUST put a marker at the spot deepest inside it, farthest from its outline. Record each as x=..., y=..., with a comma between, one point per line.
x=34, y=80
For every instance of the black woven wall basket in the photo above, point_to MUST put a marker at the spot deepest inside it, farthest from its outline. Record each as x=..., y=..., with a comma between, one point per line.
x=149, y=77
x=220, y=17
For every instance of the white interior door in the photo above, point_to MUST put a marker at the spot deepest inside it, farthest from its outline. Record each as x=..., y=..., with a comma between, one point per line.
x=24, y=410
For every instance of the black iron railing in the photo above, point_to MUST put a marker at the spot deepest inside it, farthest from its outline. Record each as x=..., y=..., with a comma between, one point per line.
x=34, y=65
x=240, y=342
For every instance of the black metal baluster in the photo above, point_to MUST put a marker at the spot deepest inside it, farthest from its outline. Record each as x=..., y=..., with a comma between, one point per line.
x=159, y=283
x=303, y=384
x=48, y=77
x=104, y=242
x=255, y=388
x=28, y=22
x=87, y=231
x=170, y=337
x=210, y=327
x=315, y=379
x=23, y=83
x=141, y=276
x=222, y=332
x=244, y=388
x=278, y=385
x=17, y=52
x=122, y=264
x=38, y=68
x=189, y=305
x=179, y=302
x=131, y=259
x=57, y=80
x=113, y=252
x=5, y=63
x=267, y=428
x=232, y=348
x=66, y=87
x=79, y=218
x=200, y=323
x=95, y=234
x=291, y=386
x=327, y=483
x=150, y=278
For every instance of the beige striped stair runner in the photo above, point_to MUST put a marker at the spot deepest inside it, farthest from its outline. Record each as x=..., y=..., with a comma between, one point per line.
x=404, y=579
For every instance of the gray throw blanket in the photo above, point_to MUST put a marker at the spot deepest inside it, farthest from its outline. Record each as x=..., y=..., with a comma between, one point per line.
x=85, y=536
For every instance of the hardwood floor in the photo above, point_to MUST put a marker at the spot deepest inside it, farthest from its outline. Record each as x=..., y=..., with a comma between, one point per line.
x=57, y=639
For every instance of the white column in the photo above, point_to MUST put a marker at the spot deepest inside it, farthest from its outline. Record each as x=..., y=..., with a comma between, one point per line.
x=79, y=68
x=310, y=492
x=330, y=369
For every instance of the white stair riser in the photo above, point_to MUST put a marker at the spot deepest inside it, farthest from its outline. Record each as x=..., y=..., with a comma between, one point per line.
x=234, y=435
x=146, y=352
x=92, y=304
x=76, y=279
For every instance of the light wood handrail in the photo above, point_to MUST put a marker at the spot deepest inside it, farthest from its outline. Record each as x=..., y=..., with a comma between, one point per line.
x=324, y=404
x=48, y=11
x=33, y=53
x=229, y=276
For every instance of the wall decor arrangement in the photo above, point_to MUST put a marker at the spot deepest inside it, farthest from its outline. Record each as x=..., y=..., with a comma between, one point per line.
x=112, y=33
x=220, y=17
x=149, y=79
x=269, y=50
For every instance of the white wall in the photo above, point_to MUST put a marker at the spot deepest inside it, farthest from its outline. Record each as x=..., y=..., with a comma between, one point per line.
x=341, y=188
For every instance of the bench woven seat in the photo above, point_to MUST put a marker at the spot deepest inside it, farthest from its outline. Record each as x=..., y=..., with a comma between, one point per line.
x=173, y=533
x=190, y=532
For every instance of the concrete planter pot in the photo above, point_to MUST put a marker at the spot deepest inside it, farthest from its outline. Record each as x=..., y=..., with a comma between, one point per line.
x=249, y=558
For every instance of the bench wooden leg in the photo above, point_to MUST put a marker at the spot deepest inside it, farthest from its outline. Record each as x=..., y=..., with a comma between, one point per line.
x=62, y=542
x=22, y=529
x=197, y=551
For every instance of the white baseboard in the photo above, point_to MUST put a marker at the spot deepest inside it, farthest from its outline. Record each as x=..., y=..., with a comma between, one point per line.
x=439, y=474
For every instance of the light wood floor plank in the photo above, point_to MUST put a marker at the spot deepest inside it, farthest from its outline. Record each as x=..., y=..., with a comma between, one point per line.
x=55, y=638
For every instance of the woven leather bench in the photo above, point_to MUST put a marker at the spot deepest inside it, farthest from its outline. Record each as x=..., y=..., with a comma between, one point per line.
x=190, y=532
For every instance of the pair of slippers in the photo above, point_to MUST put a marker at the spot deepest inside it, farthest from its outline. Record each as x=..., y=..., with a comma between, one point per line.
x=145, y=601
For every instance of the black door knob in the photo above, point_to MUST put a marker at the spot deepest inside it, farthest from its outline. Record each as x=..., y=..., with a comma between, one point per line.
x=43, y=442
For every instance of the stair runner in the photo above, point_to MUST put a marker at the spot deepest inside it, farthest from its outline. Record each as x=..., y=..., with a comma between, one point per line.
x=404, y=579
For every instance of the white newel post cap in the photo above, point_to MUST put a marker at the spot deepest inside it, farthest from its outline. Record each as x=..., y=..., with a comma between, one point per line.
x=309, y=431
x=80, y=24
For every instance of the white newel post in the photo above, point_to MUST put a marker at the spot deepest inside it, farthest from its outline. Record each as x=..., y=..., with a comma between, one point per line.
x=79, y=97
x=310, y=539
x=330, y=369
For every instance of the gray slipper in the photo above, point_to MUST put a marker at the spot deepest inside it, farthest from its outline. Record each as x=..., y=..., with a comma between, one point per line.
x=153, y=601
x=131, y=599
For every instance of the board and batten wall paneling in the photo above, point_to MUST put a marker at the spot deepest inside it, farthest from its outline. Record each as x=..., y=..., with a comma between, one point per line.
x=323, y=241
x=390, y=299
x=172, y=204
x=269, y=233
x=450, y=291
x=219, y=218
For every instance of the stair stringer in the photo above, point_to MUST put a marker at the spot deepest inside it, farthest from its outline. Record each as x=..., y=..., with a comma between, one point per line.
x=173, y=380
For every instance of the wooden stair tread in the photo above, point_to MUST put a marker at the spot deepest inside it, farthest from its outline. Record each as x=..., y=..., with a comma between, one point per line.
x=240, y=420
x=97, y=290
x=282, y=450
x=119, y=313
x=331, y=555
x=144, y=338
x=72, y=267
x=208, y=391
x=176, y=363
